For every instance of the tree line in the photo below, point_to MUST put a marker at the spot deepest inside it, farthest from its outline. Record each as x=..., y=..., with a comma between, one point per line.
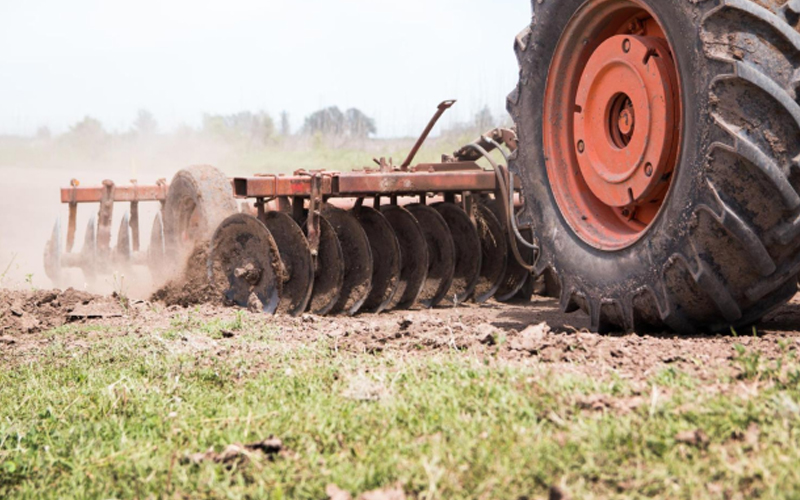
x=258, y=127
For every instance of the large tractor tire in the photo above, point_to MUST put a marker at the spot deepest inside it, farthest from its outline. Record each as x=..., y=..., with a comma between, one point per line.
x=659, y=146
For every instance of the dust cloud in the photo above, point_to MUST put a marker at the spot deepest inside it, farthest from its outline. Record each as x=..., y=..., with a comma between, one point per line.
x=31, y=175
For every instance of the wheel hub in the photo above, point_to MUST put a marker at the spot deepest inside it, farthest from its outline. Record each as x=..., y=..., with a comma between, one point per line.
x=625, y=119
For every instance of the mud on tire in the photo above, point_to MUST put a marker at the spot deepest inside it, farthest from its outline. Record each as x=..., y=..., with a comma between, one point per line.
x=723, y=250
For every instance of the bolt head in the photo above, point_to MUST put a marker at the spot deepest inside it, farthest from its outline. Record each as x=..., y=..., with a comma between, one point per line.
x=581, y=147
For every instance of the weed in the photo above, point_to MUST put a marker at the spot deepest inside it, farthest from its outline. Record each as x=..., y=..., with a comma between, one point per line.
x=7, y=269
x=119, y=291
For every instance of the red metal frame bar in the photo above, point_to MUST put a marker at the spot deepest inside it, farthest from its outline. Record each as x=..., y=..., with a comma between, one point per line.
x=94, y=194
x=468, y=178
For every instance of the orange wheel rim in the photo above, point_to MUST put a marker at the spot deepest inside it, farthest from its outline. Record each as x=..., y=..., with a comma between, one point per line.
x=612, y=120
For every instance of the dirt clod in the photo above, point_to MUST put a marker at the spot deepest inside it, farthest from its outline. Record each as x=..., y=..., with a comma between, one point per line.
x=31, y=311
x=335, y=493
x=695, y=437
x=254, y=304
x=558, y=493
x=192, y=287
x=392, y=493
x=238, y=454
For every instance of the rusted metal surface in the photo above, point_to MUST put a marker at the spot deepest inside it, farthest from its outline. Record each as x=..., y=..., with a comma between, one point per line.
x=427, y=178
x=268, y=186
x=105, y=215
x=94, y=194
x=444, y=106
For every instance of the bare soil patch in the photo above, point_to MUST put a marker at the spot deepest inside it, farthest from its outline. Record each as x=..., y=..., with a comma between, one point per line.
x=528, y=334
x=28, y=312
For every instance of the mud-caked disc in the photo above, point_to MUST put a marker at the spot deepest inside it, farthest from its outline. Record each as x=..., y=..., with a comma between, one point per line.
x=329, y=270
x=124, y=249
x=413, y=255
x=157, y=251
x=357, y=257
x=516, y=276
x=385, y=258
x=494, y=254
x=468, y=252
x=441, y=254
x=298, y=266
x=89, y=254
x=244, y=263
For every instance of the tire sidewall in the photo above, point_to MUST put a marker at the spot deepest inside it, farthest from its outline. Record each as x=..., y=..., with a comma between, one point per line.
x=580, y=266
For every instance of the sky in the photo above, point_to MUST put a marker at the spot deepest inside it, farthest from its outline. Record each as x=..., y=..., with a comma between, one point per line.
x=394, y=60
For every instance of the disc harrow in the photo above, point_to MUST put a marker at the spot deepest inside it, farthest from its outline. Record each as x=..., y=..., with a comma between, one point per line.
x=324, y=242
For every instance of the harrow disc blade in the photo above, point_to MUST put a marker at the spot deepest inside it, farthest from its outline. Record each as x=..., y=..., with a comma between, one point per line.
x=52, y=255
x=89, y=254
x=357, y=257
x=329, y=275
x=468, y=252
x=298, y=266
x=157, y=252
x=413, y=255
x=441, y=254
x=494, y=254
x=385, y=258
x=244, y=262
x=516, y=276
x=124, y=249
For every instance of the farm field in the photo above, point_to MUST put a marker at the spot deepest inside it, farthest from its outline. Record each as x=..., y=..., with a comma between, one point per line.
x=108, y=397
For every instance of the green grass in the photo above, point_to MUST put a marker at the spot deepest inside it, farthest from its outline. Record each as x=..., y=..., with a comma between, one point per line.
x=113, y=420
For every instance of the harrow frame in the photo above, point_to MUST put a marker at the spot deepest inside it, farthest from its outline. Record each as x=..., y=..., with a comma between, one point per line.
x=457, y=179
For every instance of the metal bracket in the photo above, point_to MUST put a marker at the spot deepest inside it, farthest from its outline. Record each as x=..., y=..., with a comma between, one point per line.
x=73, y=214
x=104, y=216
x=444, y=106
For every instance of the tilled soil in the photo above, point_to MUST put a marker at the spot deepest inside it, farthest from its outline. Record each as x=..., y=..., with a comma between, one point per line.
x=525, y=334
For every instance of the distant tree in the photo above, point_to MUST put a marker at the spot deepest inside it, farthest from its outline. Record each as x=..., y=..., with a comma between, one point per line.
x=328, y=121
x=87, y=131
x=286, y=126
x=43, y=133
x=358, y=124
x=331, y=121
x=254, y=128
x=484, y=119
x=145, y=123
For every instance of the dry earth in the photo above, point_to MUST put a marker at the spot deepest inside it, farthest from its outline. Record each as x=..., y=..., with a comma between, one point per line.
x=534, y=333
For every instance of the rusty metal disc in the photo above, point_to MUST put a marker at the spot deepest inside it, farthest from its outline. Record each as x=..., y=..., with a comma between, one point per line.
x=516, y=276
x=357, y=257
x=198, y=200
x=124, y=248
x=157, y=251
x=468, y=252
x=244, y=263
x=441, y=254
x=494, y=254
x=385, y=258
x=413, y=255
x=329, y=272
x=89, y=254
x=52, y=255
x=298, y=266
